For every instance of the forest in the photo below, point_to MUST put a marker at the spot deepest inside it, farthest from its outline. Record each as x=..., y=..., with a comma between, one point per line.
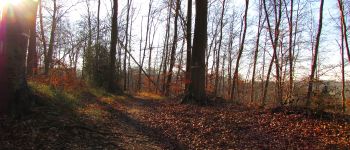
x=174, y=74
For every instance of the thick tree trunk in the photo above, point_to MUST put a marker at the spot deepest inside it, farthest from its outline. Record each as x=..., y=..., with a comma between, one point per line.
x=189, y=44
x=197, y=85
x=15, y=32
x=112, y=85
x=32, y=60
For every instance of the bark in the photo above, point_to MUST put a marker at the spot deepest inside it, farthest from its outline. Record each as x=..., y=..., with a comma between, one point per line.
x=189, y=44
x=343, y=38
x=197, y=85
x=42, y=32
x=166, y=47
x=126, y=42
x=173, y=48
x=290, y=50
x=146, y=41
x=49, y=56
x=256, y=52
x=344, y=28
x=112, y=87
x=219, y=49
x=98, y=22
x=32, y=60
x=14, y=37
x=240, y=51
x=342, y=71
x=274, y=41
x=314, y=59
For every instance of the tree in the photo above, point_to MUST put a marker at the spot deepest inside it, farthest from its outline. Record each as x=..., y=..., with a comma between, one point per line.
x=32, y=61
x=240, y=51
x=189, y=44
x=315, y=55
x=14, y=92
x=112, y=87
x=197, y=84
x=344, y=26
x=48, y=57
x=219, y=49
x=343, y=38
x=256, y=51
x=126, y=42
x=274, y=41
x=173, y=48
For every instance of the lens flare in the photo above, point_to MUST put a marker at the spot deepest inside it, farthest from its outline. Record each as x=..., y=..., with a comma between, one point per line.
x=9, y=2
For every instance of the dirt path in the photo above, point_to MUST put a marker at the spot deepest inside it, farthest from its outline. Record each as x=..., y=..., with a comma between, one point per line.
x=101, y=123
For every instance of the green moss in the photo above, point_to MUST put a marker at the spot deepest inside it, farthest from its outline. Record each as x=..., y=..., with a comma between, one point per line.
x=42, y=89
x=56, y=96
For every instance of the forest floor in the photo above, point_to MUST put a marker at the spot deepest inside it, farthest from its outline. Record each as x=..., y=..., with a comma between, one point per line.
x=97, y=120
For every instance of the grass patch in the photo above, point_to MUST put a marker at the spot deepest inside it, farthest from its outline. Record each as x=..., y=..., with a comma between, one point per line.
x=150, y=96
x=54, y=96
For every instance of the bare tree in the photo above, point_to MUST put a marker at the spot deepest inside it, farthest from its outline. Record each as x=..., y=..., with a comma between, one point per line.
x=315, y=56
x=274, y=40
x=189, y=44
x=219, y=49
x=173, y=48
x=240, y=51
x=344, y=27
x=32, y=59
x=112, y=87
x=256, y=51
x=126, y=42
x=48, y=57
x=197, y=85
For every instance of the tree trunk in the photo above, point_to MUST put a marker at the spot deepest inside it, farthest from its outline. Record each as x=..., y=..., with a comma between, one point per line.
x=197, y=85
x=342, y=70
x=256, y=52
x=173, y=48
x=189, y=44
x=49, y=56
x=15, y=34
x=274, y=41
x=290, y=50
x=241, y=47
x=314, y=59
x=32, y=60
x=166, y=47
x=112, y=87
x=344, y=29
x=219, y=49
x=126, y=42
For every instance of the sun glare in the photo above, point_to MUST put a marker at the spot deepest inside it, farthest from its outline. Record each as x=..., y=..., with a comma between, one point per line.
x=9, y=2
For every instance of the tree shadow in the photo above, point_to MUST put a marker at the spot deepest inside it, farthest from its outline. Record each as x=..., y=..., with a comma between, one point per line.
x=154, y=134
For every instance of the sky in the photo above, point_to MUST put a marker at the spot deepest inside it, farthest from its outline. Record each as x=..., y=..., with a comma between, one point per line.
x=330, y=54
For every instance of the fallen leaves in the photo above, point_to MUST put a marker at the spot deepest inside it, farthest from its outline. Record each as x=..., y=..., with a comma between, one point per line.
x=232, y=126
x=134, y=123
